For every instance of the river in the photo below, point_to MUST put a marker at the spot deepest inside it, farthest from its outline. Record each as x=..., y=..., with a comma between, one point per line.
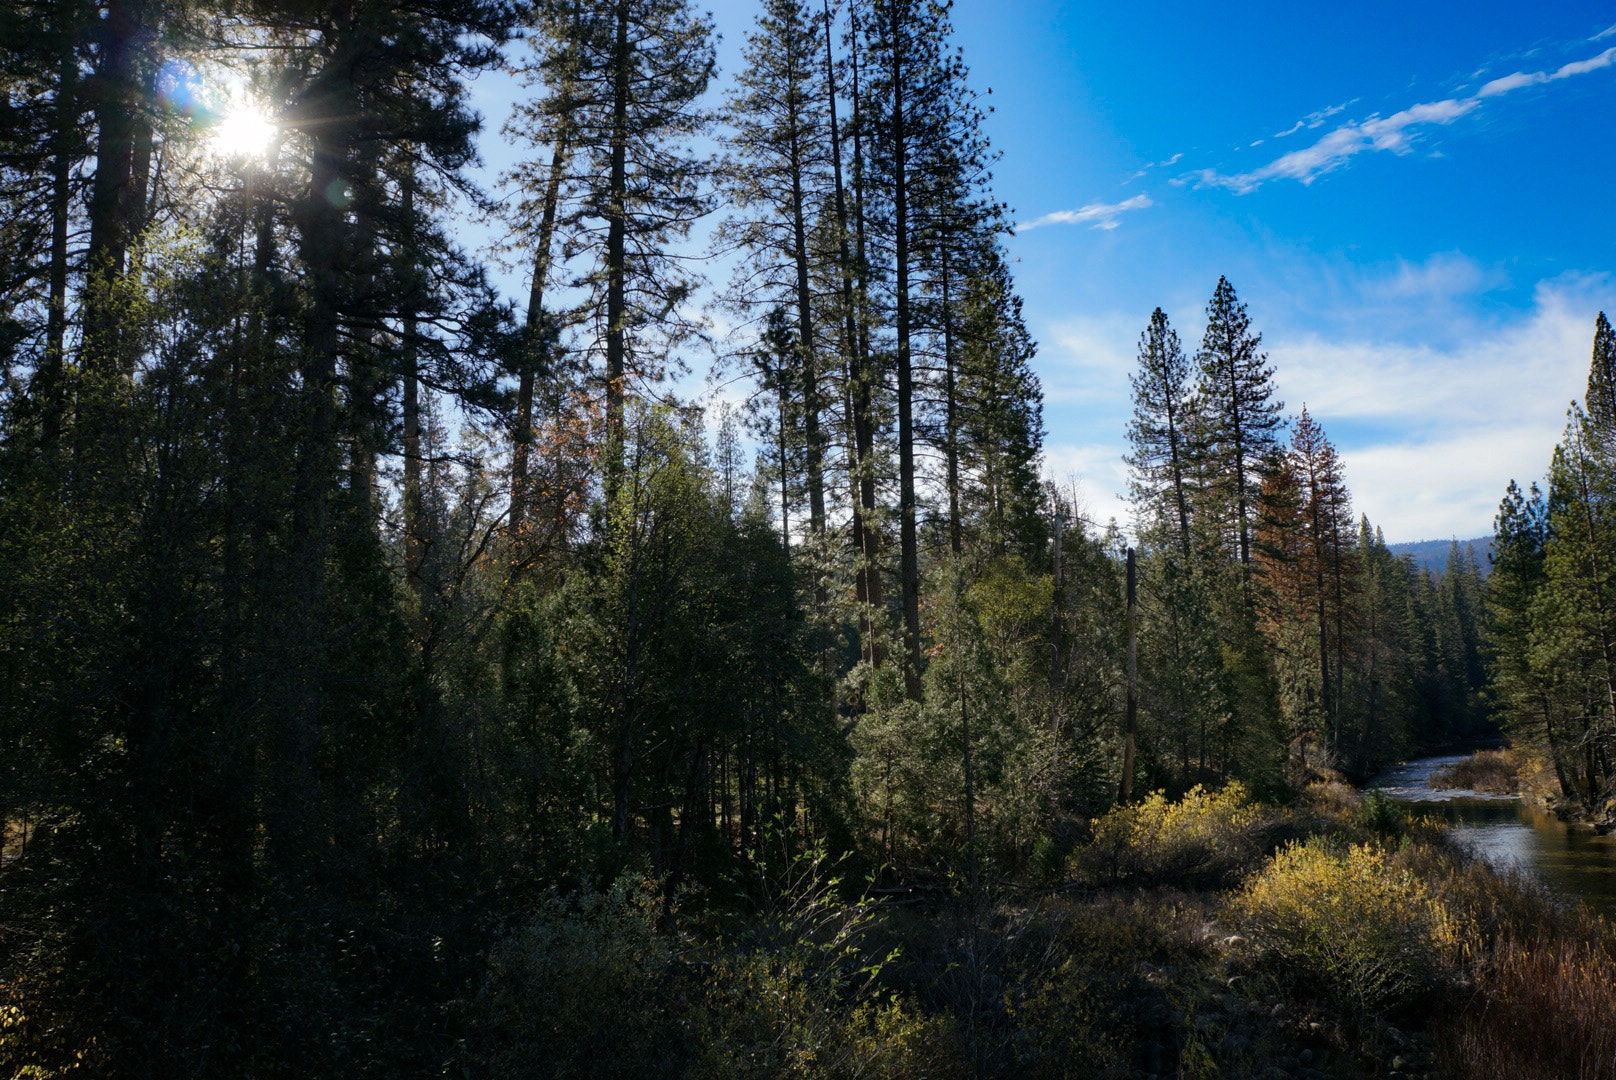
x=1513, y=833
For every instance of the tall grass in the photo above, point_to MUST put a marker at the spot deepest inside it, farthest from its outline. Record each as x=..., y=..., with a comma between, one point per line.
x=1545, y=1009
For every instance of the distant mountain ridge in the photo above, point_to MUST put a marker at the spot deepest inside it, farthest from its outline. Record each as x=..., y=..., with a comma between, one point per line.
x=1432, y=555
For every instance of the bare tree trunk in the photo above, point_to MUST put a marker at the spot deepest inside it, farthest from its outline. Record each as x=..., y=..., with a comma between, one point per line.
x=537, y=354
x=616, y=255
x=908, y=538
x=1130, y=729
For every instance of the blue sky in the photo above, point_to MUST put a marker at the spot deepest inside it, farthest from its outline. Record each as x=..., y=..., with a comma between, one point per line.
x=1417, y=202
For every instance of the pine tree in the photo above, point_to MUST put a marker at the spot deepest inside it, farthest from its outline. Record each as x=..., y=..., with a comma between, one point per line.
x=1239, y=416
x=778, y=179
x=634, y=77
x=995, y=429
x=1162, y=457
x=1600, y=402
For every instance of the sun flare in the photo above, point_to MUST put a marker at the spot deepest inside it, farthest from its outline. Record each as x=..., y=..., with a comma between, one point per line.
x=244, y=131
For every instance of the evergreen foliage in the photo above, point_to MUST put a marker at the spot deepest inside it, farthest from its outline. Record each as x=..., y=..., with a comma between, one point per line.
x=389, y=687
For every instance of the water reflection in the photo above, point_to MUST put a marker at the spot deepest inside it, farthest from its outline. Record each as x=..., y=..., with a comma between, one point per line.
x=1514, y=834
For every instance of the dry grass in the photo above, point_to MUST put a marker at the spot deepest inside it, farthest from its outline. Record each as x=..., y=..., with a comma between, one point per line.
x=1492, y=772
x=1543, y=1011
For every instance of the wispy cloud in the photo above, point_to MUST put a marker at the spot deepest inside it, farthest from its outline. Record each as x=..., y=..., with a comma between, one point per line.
x=1395, y=133
x=1609, y=31
x=1537, y=78
x=1312, y=120
x=1165, y=163
x=1095, y=215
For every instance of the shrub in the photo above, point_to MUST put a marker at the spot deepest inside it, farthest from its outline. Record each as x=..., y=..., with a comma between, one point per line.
x=1108, y=987
x=1206, y=837
x=1494, y=772
x=798, y=995
x=1379, y=813
x=581, y=990
x=1347, y=923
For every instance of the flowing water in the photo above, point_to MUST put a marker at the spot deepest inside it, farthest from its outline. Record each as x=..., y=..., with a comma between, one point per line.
x=1514, y=833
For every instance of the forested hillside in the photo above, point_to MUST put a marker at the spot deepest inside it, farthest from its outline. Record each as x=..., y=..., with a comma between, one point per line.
x=377, y=655
x=1433, y=555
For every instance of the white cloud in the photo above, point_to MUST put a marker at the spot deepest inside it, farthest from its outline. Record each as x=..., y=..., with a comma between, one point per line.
x=1535, y=78
x=1334, y=149
x=1393, y=133
x=1435, y=400
x=1603, y=34
x=1097, y=215
x=1094, y=475
x=1312, y=120
x=1447, y=426
x=1443, y=276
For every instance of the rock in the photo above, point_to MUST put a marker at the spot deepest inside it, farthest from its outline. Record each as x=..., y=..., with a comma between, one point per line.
x=1399, y=1063
x=1306, y=1057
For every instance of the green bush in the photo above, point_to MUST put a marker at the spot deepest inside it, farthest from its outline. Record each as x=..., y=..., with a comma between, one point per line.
x=798, y=995
x=1380, y=814
x=582, y=991
x=1349, y=923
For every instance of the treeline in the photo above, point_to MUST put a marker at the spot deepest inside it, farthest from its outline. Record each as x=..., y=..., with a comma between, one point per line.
x=1554, y=602
x=353, y=617
x=349, y=611
x=1278, y=634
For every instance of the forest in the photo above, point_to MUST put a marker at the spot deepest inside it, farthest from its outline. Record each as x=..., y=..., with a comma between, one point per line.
x=399, y=680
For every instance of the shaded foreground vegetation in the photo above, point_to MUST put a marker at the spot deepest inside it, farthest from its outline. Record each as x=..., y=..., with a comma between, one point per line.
x=1210, y=936
x=1207, y=936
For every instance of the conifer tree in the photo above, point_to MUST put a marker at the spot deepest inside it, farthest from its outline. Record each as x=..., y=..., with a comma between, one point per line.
x=1600, y=401
x=778, y=180
x=996, y=407
x=1239, y=416
x=635, y=73
x=1162, y=456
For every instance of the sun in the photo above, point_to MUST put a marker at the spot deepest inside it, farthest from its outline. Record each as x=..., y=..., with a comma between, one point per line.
x=244, y=130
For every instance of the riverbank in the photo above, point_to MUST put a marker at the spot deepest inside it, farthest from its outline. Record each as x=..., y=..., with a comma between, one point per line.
x=1517, y=771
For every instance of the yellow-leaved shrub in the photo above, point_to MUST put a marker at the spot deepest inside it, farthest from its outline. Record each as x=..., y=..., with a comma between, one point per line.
x=1349, y=922
x=1205, y=837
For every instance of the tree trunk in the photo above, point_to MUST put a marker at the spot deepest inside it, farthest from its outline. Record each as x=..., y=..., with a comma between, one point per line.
x=616, y=255
x=908, y=539
x=115, y=94
x=951, y=431
x=50, y=397
x=868, y=535
x=815, y=451
x=537, y=353
x=1130, y=728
